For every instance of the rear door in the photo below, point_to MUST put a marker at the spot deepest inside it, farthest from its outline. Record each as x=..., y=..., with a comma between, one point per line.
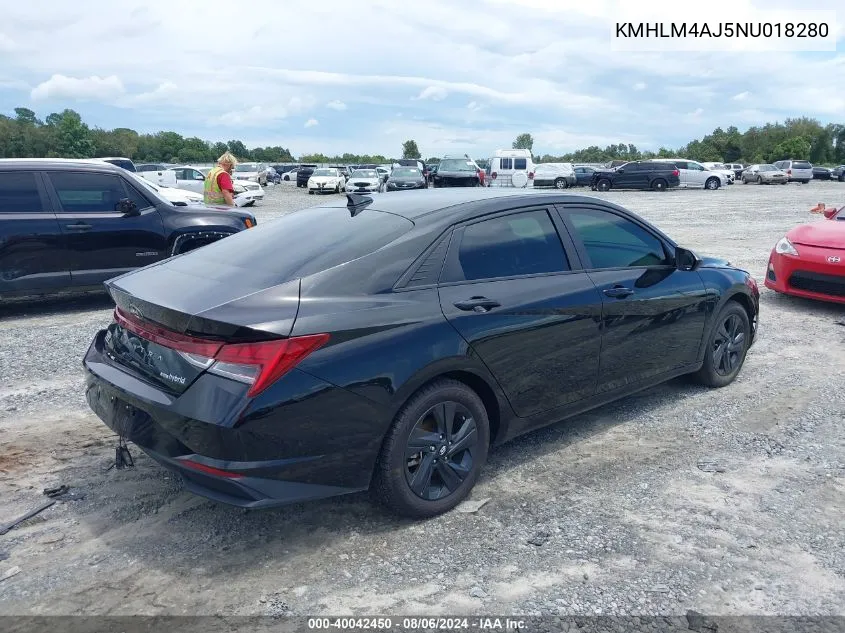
x=516, y=294
x=32, y=250
x=653, y=314
x=683, y=172
x=103, y=242
x=630, y=175
x=190, y=179
x=696, y=174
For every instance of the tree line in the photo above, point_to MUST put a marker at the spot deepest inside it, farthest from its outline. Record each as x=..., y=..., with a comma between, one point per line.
x=65, y=135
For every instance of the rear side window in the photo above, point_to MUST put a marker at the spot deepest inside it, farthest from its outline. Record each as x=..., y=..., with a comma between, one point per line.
x=19, y=193
x=612, y=241
x=519, y=244
x=505, y=163
x=128, y=165
x=801, y=164
x=306, y=242
x=520, y=163
x=87, y=192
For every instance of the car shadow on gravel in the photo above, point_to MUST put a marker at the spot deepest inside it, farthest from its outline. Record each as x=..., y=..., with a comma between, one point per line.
x=144, y=512
x=56, y=305
x=795, y=305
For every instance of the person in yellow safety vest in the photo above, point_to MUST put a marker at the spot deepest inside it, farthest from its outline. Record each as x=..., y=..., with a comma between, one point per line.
x=218, y=189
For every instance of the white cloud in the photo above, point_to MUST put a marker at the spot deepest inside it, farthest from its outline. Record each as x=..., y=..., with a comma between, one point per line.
x=639, y=86
x=695, y=113
x=340, y=106
x=474, y=106
x=92, y=88
x=311, y=123
x=7, y=44
x=435, y=93
x=742, y=96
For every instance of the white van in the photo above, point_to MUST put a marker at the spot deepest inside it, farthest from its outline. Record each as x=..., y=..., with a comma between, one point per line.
x=505, y=163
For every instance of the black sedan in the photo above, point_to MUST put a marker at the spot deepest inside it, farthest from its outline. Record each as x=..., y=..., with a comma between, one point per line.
x=584, y=175
x=821, y=173
x=389, y=342
x=406, y=178
x=838, y=173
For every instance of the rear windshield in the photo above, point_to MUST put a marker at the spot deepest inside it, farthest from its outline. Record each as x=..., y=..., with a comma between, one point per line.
x=456, y=164
x=801, y=164
x=406, y=172
x=306, y=242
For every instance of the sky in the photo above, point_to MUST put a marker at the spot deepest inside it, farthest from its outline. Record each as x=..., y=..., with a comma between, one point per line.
x=336, y=77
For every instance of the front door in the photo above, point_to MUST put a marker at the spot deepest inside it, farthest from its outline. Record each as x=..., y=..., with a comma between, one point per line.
x=103, y=242
x=653, y=314
x=509, y=290
x=32, y=249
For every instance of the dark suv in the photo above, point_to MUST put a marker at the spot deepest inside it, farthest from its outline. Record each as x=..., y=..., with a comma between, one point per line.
x=303, y=174
x=457, y=172
x=637, y=175
x=71, y=225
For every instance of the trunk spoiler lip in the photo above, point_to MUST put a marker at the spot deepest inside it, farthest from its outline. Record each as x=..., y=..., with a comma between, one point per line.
x=203, y=323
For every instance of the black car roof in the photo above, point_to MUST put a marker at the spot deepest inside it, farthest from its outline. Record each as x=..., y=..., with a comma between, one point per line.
x=459, y=203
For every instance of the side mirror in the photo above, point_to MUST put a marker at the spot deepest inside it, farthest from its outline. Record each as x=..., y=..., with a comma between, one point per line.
x=685, y=259
x=127, y=207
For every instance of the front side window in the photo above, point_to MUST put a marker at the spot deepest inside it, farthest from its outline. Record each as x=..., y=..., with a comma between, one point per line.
x=518, y=244
x=87, y=192
x=612, y=241
x=19, y=193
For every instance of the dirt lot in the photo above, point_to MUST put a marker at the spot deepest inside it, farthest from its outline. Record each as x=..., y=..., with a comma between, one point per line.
x=724, y=501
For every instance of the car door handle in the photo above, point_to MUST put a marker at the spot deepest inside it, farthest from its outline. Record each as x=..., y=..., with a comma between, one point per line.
x=477, y=304
x=79, y=226
x=618, y=292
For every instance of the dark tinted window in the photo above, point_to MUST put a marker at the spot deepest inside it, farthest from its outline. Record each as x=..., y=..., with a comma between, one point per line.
x=615, y=242
x=505, y=163
x=801, y=164
x=138, y=197
x=80, y=191
x=634, y=167
x=520, y=163
x=518, y=244
x=300, y=244
x=19, y=193
x=681, y=164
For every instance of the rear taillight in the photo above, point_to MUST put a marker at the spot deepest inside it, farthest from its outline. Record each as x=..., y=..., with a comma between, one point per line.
x=208, y=470
x=493, y=175
x=675, y=172
x=257, y=364
x=262, y=364
x=530, y=175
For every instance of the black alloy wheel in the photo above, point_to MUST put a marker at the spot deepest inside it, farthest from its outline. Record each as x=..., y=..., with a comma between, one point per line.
x=660, y=185
x=727, y=346
x=433, y=453
x=603, y=185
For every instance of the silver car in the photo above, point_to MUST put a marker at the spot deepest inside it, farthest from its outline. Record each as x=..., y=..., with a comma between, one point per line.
x=764, y=175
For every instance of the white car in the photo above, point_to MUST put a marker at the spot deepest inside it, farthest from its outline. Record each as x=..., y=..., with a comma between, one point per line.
x=694, y=175
x=723, y=169
x=176, y=197
x=256, y=172
x=326, y=180
x=364, y=181
x=557, y=175
x=796, y=170
x=247, y=193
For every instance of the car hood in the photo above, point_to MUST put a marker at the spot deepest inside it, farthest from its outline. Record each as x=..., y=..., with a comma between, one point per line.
x=372, y=181
x=452, y=174
x=714, y=262
x=244, y=175
x=403, y=179
x=242, y=183
x=825, y=233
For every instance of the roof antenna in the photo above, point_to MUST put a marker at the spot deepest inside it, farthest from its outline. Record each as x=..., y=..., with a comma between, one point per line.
x=357, y=203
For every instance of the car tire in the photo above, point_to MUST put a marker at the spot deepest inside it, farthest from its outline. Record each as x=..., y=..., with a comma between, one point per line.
x=744, y=181
x=841, y=177
x=659, y=185
x=721, y=370
x=785, y=182
x=416, y=493
x=603, y=185
x=560, y=183
x=805, y=182
x=712, y=184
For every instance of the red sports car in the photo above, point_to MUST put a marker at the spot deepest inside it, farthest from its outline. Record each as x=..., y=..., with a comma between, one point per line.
x=810, y=260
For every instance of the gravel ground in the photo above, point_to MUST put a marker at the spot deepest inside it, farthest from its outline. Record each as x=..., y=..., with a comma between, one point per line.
x=723, y=501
